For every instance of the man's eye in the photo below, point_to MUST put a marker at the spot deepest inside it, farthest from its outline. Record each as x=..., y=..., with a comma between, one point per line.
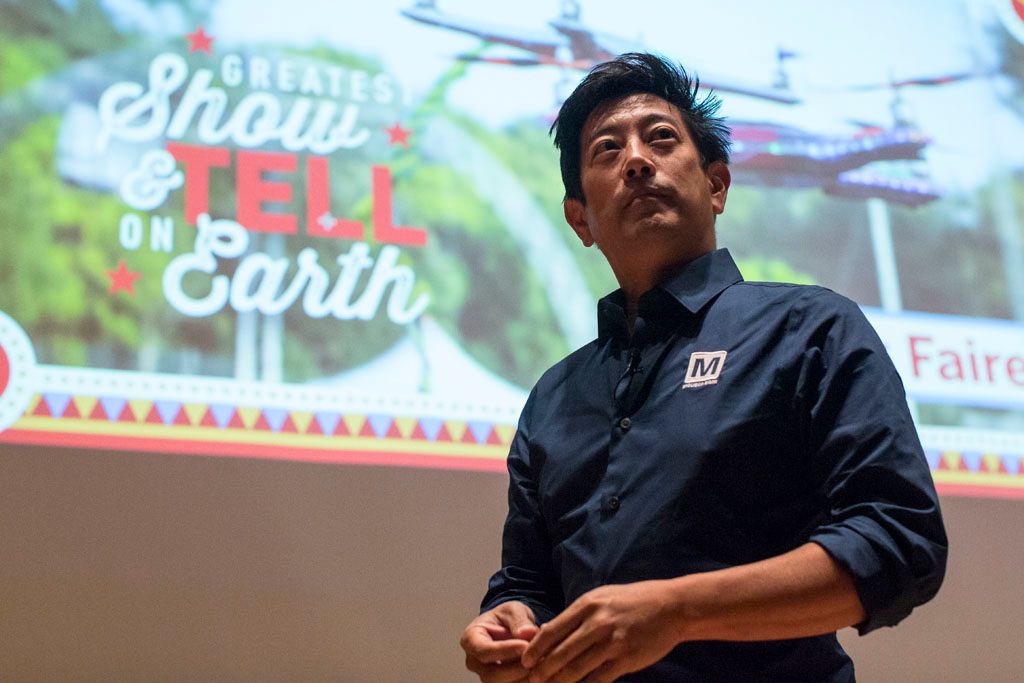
x=604, y=146
x=664, y=134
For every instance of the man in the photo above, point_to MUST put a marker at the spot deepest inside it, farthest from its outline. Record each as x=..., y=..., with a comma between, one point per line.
x=729, y=473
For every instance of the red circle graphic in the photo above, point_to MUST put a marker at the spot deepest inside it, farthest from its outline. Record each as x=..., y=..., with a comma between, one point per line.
x=1018, y=7
x=5, y=370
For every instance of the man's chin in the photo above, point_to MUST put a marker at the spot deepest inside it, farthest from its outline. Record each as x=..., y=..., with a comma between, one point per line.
x=655, y=221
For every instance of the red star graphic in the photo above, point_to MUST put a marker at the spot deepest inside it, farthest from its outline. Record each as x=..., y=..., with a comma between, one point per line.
x=122, y=278
x=398, y=135
x=200, y=41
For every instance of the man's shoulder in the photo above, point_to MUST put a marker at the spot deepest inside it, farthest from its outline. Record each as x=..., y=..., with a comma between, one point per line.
x=783, y=291
x=806, y=300
x=565, y=368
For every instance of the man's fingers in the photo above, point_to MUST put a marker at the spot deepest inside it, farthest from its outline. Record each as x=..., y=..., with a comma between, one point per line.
x=507, y=672
x=481, y=647
x=606, y=673
x=525, y=631
x=577, y=669
x=518, y=618
x=550, y=635
x=566, y=661
x=497, y=631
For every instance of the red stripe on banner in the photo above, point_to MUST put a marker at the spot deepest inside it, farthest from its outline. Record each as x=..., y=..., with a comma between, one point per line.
x=244, y=450
x=976, y=491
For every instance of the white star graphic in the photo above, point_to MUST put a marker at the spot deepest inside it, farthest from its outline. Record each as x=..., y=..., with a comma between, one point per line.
x=327, y=221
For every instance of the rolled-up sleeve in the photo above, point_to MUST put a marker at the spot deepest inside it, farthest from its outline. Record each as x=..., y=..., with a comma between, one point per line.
x=527, y=573
x=884, y=525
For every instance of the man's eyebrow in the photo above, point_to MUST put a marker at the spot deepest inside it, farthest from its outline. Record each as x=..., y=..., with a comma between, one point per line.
x=647, y=120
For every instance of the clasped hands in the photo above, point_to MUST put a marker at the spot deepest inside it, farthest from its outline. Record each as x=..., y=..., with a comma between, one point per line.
x=606, y=633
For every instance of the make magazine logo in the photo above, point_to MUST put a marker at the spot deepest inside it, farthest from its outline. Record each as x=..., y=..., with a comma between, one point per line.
x=704, y=368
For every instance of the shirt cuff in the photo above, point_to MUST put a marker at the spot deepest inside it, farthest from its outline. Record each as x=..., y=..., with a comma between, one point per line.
x=540, y=612
x=864, y=550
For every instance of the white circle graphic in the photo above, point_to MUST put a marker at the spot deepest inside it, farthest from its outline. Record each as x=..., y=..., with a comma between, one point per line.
x=19, y=358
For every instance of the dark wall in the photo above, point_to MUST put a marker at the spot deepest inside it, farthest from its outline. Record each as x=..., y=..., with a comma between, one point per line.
x=139, y=566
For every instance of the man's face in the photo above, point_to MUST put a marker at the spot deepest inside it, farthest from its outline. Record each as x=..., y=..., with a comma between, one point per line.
x=649, y=203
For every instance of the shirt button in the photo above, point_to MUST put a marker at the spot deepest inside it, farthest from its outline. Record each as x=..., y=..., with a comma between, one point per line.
x=613, y=503
x=624, y=423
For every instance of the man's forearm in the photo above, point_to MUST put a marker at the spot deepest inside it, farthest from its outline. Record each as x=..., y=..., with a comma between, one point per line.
x=800, y=593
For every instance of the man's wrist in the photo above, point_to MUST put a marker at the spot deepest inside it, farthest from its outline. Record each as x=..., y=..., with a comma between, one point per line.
x=689, y=601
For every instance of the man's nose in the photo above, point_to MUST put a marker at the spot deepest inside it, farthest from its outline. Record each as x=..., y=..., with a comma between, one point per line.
x=638, y=163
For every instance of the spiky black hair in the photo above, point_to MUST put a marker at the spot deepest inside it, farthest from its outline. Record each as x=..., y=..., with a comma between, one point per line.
x=629, y=74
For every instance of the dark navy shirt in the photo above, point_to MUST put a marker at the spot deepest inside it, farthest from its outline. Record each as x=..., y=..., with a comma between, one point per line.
x=739, y=421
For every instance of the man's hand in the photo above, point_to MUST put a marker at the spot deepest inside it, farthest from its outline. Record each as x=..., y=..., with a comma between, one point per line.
x=606, y=633
x=495, y=641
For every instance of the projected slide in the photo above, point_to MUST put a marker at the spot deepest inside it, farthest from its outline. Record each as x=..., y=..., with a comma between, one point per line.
x=332, y=232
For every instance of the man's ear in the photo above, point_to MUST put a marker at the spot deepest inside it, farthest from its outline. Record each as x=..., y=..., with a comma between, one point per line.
x=576, y=217
x=719, y=177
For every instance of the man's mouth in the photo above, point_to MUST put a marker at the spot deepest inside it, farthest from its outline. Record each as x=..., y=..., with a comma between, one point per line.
x=647, y=194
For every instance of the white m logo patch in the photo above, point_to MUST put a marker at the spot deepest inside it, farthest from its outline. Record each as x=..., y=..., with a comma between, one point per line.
x=704, y=368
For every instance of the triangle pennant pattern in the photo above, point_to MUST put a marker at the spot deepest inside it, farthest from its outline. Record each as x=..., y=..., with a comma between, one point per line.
x=404, y=427
x=98, y=413
x=249, y=416
x=950, y=461
x=275, y=418
x=456, y=429
x=42, y=408
x=1012, y=463
x=57, y=403
x=480, y=430
x=971, y=460
x=261, y=423
x=141, y=409
x=327, y=421
x=85, y=404
x=301, y=419
x=341, y=429
x=128, y=414
x=505, y=433
x=222, y=414
x=380, y=424
x=113, y=406
x=431, y=427
x=355, y=423
x=154, y=416
x=168, y=410
x=376, y=425
x=195, y=412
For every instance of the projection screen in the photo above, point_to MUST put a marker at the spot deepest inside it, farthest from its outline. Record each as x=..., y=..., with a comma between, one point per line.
x=335, y=234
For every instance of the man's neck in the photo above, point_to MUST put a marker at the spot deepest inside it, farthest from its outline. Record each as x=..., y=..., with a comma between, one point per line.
x=636, y=285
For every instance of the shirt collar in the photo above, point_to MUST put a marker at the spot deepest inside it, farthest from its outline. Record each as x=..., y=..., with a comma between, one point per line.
x=700, y=281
